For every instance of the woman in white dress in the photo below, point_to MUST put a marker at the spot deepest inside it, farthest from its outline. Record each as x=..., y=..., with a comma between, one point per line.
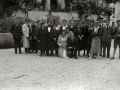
x=62, y=42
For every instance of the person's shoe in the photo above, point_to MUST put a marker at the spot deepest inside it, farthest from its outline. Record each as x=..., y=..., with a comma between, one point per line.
x=100, y=54
x=112, y=58
x=108, y=56
x=15, y=52
x=119, y=57
x=90, y=58
x=76, y=57
x=20, y=53
x=103, y=56
x=47, y=54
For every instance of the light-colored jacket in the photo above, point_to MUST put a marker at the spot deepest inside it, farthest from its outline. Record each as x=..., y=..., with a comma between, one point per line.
x=25, y=29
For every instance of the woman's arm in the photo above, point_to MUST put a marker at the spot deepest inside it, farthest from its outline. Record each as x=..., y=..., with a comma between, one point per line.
x=24, y=31
x=59, y=44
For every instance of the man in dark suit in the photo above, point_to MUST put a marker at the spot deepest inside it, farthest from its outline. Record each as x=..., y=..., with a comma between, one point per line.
x=100, y=19
x=72, y=44
x=107, y=32
x=16, y=30
x=54, y=38
x=116, y=39
x=49, y=29
x=72, y=27
x=63, y=27
x=38, y=24
x=42, y=39
x=33, y=40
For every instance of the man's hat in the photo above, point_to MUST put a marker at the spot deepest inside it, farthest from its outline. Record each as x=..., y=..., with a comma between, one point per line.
x=38, y=21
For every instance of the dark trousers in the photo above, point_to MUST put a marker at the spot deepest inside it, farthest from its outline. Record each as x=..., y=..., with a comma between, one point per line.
x=32, y=44
x=43, y=52
x=89, y=47
x=17, y=43
x=36, y=46
x=72, y=52
x=101, y=46
x=106, y=44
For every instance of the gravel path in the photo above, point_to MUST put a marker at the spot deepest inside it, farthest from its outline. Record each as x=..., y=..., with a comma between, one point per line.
x=32, y=72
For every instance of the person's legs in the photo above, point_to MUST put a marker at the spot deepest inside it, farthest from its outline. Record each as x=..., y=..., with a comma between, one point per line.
x=51, y=52
x=114, y=51
x=19, y=45
x=78, y=52
x=75, y=53
x=41, y=53
x=108, y=49
x=101, y=44
x=104, y=48
x=31, y=46
x=70, y=53
x=84, y=53
x=36, y=47
x=15, y=42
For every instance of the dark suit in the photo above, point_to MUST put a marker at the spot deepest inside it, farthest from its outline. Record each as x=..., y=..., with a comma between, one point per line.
x=32, y=41
x=16, y=31
x=36, y=38
x=77, y=33
x=116, y=38
x=72, y=28
x=85, y=37
x=54, y=34
x=72, y=43
x=61, y=29
x=49, y=40
x=43, y=38
x=106, y=39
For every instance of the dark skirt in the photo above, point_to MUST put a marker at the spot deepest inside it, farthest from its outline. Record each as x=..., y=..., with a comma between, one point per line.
x=79, y=47
x=42, y=46
x=85, y=43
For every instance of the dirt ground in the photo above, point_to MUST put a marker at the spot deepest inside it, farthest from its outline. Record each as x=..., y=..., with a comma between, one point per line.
x=32, y=72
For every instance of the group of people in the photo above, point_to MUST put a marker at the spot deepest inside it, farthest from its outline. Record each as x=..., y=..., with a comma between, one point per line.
x=65, y=40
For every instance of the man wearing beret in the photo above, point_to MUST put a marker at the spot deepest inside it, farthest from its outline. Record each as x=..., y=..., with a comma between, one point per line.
x=116, y=39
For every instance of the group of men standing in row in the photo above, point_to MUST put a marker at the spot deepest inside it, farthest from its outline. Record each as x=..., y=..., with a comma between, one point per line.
x=38, y=36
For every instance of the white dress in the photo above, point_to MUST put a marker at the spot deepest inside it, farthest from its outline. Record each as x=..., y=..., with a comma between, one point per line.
x=62, y=51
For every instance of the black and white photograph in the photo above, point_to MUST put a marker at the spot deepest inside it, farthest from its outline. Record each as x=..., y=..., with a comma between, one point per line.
x=59, y=44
